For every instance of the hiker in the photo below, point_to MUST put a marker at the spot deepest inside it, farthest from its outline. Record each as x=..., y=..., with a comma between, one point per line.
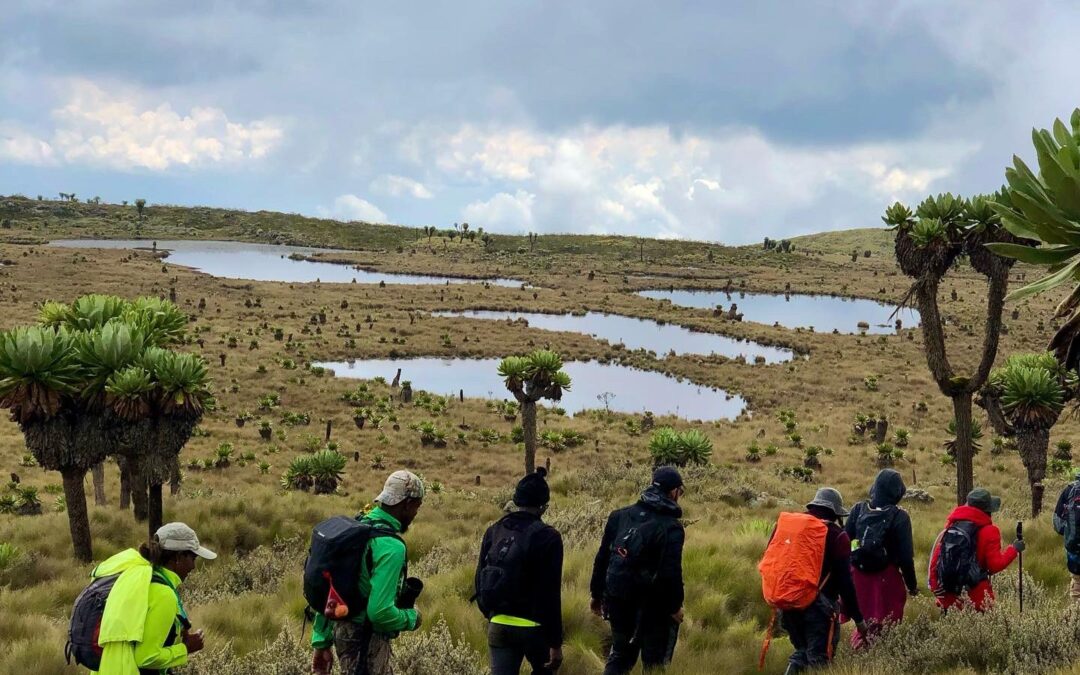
x=822, y=575
x=519, y=583
x=1067, y=524
x=883, y=561
x=637, y=580
x=144, y=628
x=362, y=638
x=968, y=552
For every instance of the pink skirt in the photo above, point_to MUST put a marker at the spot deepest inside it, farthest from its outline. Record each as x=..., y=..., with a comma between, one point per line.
x=882, y=597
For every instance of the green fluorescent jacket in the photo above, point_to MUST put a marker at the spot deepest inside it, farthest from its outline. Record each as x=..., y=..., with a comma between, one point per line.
x=380, y=586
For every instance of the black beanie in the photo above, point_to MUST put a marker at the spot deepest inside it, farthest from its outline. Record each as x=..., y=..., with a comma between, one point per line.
x=532, y=491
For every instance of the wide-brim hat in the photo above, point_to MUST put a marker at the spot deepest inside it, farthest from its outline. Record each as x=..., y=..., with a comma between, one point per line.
x=831, y=499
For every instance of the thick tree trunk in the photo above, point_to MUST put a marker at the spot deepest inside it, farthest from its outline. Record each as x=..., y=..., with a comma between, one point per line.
x=154, y=509
x=964, y=452
x=926, y=289
x=1032, y=444
x=139, y=496
x=78, y=520
x=528, y=425
x=99, y=484
x=125, y=486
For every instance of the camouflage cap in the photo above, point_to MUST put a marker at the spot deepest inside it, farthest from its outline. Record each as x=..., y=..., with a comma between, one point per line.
x=401, y=485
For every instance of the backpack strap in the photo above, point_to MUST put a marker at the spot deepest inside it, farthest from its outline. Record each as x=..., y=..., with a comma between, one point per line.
x=768, y=641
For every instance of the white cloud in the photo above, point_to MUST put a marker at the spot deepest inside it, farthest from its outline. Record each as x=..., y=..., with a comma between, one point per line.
x=397, y=186
x=22, y=147
x=350, y=208
x=648, y=180
x=504, y=211
x=122, y=131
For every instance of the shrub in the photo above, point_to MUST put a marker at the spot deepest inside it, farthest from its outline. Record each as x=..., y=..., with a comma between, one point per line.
x=669, y=447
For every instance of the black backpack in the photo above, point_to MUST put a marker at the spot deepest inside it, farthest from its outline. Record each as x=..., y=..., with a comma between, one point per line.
x=500, y=583
x=635, y=555
x=957, y=563
x=82, y=644
x=872, y=528
x=1072, y=520
x=338, y=547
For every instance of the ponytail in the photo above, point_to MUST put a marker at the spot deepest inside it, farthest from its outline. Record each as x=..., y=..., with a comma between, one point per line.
x=154, y=554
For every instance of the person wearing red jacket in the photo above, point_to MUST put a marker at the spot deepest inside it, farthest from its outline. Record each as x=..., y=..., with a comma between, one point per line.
x=980, y=504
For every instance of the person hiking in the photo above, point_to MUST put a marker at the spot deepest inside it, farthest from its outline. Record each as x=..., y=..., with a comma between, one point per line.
x=637, y=582
x=883, y=555
x=813, y=623
x=519, y=583
x=1067, y=524
x=968, y=552
x=362, y=643
x=144, y=628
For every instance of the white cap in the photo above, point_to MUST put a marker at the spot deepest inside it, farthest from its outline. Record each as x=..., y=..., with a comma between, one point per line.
x=180, y=537
x=401, y=485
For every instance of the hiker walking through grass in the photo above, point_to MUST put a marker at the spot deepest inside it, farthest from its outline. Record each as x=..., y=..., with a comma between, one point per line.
x=1067, y=524
x=968, y=552
x=365, y=600
x=806, y=576
x=131, y=617
x=519, y=583
x=637, y=582
x=883, y=555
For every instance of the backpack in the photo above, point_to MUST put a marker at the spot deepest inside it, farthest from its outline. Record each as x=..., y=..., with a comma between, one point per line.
x=1072, y=520
x=332, y=568
x=872, y=528
x=500, y=582
x=635, y=555
x=957, y=562
x=82, y=645
x=791, y=567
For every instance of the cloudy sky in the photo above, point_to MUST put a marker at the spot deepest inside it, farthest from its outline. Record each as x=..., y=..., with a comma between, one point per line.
x=724, y=121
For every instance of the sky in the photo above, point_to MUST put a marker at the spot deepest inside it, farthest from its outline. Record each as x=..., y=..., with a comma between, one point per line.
x=714, y=120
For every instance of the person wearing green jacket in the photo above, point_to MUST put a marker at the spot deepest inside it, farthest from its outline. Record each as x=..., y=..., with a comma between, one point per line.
x=363, y=643
x=144, y=628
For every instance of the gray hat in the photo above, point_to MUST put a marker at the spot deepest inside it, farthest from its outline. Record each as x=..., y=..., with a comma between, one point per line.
x=401, y=485
x=831, y=499
x=981, y=499
x=180, y=537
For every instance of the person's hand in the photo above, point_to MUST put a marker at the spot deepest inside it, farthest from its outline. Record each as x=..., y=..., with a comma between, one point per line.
x=322, y=661
x=861, y=627
x=913, y=591
x=193, y=641
x=597, y=607
x=419, y=620
x=1019, y=545
x=554, y=658
x=677, y=617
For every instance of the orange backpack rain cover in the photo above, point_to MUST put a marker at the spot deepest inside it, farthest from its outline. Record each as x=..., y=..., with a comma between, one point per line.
x=791, y=567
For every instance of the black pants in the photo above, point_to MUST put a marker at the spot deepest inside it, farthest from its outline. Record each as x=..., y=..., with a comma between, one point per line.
x=510, y=645
x=814, y=632
x=639, y=632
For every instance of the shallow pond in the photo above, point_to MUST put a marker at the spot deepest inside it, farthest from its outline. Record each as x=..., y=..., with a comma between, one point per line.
x=633, y=391
x=267, y=262
x=824, y=313
x=637, y=333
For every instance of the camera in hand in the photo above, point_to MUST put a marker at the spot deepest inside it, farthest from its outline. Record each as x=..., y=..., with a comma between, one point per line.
x=410, y=591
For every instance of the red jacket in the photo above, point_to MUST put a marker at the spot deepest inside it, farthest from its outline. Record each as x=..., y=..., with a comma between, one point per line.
x=988, y=552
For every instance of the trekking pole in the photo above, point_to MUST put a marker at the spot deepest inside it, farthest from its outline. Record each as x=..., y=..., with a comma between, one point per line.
x=1020, y=557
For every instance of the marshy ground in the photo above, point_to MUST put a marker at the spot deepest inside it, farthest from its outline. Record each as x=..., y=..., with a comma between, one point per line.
x=251, y=594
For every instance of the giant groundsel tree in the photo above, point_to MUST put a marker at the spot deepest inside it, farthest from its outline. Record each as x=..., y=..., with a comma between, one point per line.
x=95, y=379
x=928, y=243
x=531, y=378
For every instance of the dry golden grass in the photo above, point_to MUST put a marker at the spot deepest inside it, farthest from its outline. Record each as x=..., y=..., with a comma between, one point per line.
x=252, y=593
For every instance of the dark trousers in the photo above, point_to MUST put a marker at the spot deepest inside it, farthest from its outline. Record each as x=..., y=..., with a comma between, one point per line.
x=814, y=632
x=510, y=645
x=639, y=632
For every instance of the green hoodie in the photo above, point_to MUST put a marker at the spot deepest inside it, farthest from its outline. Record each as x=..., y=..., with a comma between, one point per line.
x=380, y=587
x=137, y=622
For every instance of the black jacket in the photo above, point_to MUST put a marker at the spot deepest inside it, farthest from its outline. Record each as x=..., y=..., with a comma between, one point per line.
x=666, y=594
x=887, y=491
x=542, y=600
